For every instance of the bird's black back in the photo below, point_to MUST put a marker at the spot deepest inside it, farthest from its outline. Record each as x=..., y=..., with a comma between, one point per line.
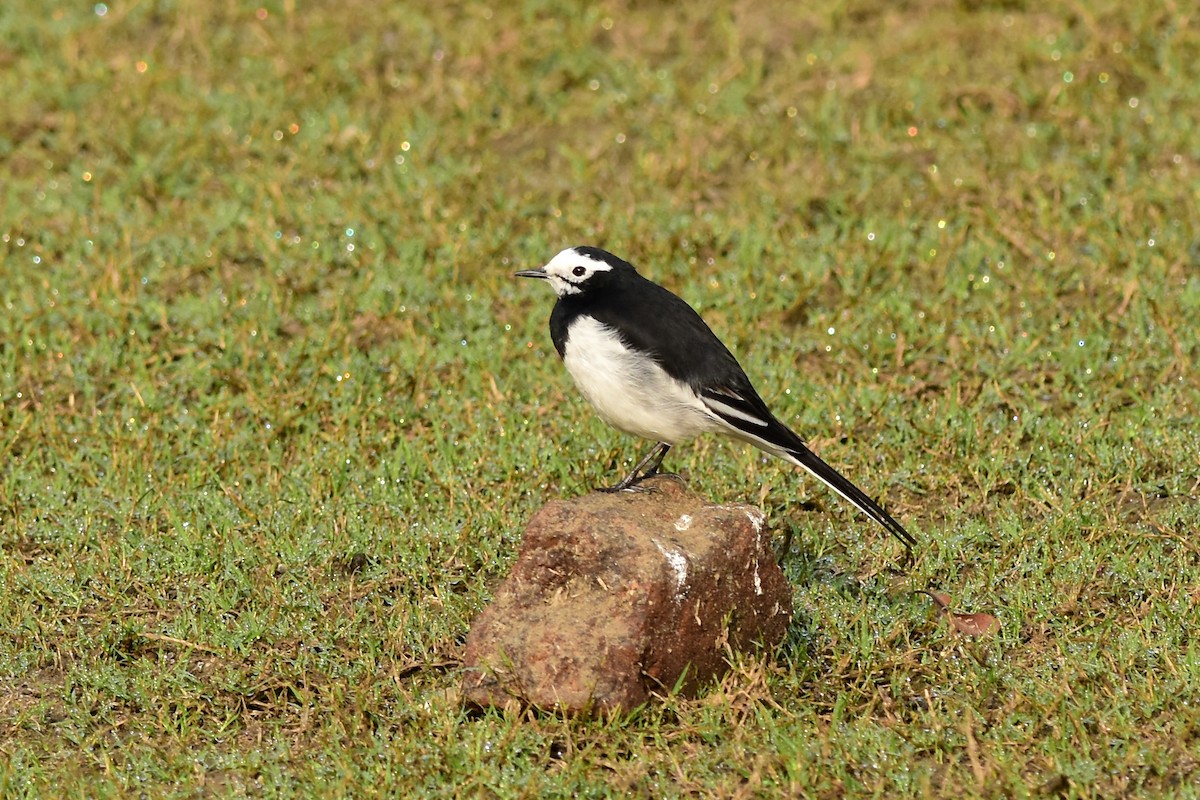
x=651, y=320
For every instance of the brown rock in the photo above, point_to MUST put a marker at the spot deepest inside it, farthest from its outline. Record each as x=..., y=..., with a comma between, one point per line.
x=616, y=596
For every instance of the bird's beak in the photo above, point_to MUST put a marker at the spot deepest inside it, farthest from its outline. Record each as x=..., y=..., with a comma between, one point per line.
x=540, y=272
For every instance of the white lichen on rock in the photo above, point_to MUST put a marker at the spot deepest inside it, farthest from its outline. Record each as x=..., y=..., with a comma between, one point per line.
x=679, y=566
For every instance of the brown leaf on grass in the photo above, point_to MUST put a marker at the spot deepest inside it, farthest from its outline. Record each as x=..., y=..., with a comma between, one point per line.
x=978, y=624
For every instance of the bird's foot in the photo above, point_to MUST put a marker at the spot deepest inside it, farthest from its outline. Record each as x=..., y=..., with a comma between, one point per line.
x=646, y=468
x=630, y=483
x=633, y=482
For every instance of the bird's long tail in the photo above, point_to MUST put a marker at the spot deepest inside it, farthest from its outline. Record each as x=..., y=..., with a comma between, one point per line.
x=806, y=458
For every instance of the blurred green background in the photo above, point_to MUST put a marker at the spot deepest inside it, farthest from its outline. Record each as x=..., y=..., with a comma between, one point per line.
x=273, y=412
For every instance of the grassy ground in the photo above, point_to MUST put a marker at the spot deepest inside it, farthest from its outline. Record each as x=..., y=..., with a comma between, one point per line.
x=273, y=412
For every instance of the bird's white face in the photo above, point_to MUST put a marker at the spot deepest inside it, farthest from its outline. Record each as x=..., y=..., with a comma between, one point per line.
x=568, y=271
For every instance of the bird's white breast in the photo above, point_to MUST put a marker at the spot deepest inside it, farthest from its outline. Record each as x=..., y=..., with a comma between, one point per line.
x=628, y=390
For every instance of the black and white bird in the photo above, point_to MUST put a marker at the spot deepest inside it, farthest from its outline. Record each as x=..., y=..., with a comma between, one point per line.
x=651, y=367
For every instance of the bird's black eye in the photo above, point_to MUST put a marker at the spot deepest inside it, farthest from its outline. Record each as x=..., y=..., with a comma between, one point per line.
x=579, y=272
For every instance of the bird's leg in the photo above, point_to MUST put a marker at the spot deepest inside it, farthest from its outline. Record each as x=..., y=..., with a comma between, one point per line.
x=646, y=468
x=652, y=461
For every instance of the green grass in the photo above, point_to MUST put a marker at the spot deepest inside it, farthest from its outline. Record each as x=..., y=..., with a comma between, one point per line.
x=273, y=412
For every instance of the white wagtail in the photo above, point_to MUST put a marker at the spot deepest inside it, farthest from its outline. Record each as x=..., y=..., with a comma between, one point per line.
x=651, y=367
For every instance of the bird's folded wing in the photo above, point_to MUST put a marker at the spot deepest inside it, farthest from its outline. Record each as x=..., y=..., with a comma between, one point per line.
x=747, y=414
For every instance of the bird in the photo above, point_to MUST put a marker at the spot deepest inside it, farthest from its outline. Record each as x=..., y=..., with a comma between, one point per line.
x=651, y=367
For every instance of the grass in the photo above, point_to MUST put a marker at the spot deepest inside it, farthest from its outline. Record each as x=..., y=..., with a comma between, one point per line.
x=273, y=412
